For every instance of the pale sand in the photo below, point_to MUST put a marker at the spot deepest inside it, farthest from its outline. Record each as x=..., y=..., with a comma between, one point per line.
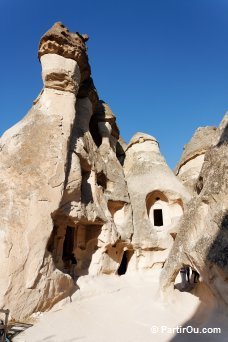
x=122, y=309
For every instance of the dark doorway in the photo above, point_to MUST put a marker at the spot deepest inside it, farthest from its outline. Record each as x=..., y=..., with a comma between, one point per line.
x=123, y=265
x=68, y=245
x=158, y=218
x=124, y=262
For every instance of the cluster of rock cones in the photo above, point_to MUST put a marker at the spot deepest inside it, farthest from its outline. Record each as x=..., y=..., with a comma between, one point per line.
x=69, y=184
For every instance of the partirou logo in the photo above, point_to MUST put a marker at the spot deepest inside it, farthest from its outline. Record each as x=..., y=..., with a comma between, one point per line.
x=164, y=329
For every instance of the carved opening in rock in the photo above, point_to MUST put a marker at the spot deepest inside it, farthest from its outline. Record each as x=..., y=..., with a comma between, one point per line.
x=81, y=240
x=158, y=209
x=68, y=244
x=102, y=180
x=199, y=185
x=86, y=244
x=94, y=131
x=61, y=246
x=124, y=262
x=158, y=217
x=161, y=211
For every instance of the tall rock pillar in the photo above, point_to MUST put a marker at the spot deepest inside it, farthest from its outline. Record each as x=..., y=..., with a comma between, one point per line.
x=33, y=163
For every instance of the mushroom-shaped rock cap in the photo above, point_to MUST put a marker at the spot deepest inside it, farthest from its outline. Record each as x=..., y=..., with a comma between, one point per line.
x=140, y=138
x=60, y=41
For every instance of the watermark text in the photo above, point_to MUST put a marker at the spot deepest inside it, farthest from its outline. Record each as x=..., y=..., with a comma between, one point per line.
x=164, y=329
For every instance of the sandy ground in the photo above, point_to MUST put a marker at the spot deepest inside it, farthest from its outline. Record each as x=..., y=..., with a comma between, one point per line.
x=124, y=309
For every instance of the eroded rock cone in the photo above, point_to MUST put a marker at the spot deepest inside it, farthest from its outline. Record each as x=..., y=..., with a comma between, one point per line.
x=58, y=191
x=157, y=197
x=202, y=240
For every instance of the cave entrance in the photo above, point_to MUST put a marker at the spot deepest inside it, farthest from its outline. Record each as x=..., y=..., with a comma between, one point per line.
x=124, y=262
x=61, y=245
x=158, y=217
x=82, y=241
x=68, y=244
x=85, y=247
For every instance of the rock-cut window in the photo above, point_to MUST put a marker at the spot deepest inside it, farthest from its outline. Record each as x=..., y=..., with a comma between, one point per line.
x=158, y=217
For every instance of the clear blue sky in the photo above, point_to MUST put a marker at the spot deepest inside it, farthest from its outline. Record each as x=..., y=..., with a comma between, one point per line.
x=162, y=65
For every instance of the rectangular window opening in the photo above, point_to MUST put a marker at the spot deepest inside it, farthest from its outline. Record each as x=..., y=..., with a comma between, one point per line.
x=158, y=218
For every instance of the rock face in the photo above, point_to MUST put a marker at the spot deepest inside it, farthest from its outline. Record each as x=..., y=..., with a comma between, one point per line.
x=192, y=159
x=62, y=185
x=158, y=200
x=59, y=41
x=34, y=155
x=203, y=236
x=70, y=185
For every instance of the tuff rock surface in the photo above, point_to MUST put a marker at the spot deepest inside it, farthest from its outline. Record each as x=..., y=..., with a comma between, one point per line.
x=70, y=184
x=57, y=178
x=152, y=186
x=203, y=232
x=192, y=158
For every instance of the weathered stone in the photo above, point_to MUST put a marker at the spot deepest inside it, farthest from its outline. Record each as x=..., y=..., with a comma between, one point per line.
x=58, y=40
x=203, y=236
x=60, y=192
x=192, y=159
x=157, y=197
x=87, y=89
x=104, y=113
x=60, y=73
x=70, y=185
x=33, y=157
